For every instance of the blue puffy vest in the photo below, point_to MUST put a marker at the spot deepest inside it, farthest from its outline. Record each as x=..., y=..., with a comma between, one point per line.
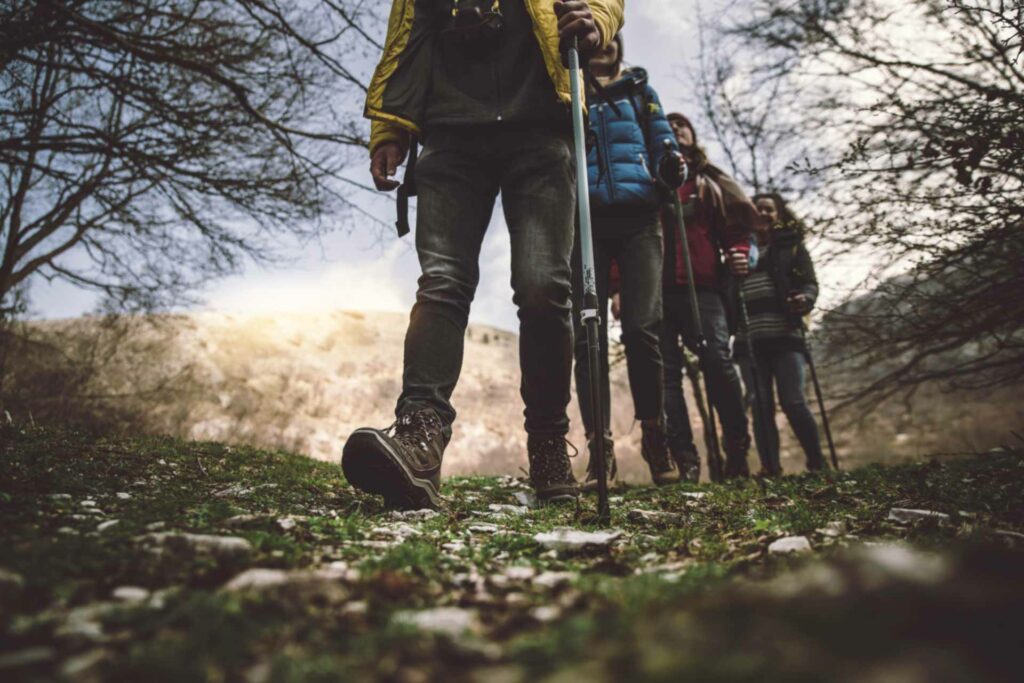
x=622, y=168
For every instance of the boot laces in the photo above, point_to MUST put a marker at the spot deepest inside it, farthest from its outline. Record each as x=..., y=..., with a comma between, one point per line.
x=549, y=459
x=415, y=429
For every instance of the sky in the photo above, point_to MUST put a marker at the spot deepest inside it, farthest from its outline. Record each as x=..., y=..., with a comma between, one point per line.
x=370, y=268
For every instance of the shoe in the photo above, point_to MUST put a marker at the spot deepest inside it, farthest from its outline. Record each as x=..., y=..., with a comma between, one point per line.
x=770, y=472
x=736, y=450
x=654, y=450
x=401, y=463
x=550, y=470
x=611, y=468
x=688, y=463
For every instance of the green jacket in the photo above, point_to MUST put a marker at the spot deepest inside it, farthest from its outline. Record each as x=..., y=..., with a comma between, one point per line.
x=396, y=98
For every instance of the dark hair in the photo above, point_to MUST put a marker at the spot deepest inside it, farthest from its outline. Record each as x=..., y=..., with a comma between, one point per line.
x=787, y=218
x=676, y=116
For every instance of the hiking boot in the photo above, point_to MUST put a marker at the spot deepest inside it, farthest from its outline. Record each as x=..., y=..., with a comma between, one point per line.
x=550, y=469
x=688, y=463
x=611, y=469
x=770, y=472
x=654, y=449
x=401, y=463
x=736, y=449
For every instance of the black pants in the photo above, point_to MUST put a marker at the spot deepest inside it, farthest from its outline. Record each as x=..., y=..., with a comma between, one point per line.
x=459, y=174
x=786, y=370
x=636, y=246
x=718, y=369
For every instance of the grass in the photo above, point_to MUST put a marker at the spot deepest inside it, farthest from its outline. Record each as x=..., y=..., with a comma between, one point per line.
x=670, y=599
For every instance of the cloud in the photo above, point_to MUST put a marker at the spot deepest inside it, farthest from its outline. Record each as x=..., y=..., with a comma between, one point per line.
x=381, y=283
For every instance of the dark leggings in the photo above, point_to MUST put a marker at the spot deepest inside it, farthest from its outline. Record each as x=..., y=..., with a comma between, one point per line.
x=785, y=370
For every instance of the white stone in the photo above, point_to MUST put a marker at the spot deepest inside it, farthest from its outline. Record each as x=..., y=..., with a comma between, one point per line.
x=790, y=545
x=156, y=526
x=221, y=547
x=257, y=578
x=526, y=498
x=413, y=514
x=123, y=495
x=910, y=516
x=103, y=526
x=696, y=495
x=520, y=573
x=545, y=613
x=483, y=528
x=833, y=529
x=447, y=621
x=60, y=496
x=454, y=546
x=10, y=581
x=554, y=579
x=130, y=594
x=286, y=523
x=571, y=540
x=88, y=503
x=508, y=509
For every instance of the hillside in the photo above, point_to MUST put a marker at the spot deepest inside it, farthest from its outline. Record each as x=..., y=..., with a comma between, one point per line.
x=301, y=382
x=152, y=559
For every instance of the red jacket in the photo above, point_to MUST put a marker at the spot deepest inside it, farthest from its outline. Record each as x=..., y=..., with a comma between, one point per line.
x=721, y=220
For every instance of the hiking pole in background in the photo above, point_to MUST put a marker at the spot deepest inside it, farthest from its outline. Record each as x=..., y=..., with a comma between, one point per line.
x=755, y=388
x=590, y=315
x=821, y=399
x=715, y=466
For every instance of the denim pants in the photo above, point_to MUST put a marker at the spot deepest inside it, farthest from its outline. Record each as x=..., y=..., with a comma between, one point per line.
x=786, y=370
x=718, y=369
x=459, y=174
x=636, y=246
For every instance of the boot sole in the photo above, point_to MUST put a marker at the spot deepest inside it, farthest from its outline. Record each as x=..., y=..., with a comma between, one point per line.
x=559, y=498
x=371, y=465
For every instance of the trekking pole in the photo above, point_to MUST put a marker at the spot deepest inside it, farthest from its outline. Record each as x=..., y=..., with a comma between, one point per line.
x=715, y=465
x=590, y=315
x=821, y=399
x=755, y=389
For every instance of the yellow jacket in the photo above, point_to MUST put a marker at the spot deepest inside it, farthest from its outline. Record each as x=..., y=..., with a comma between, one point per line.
x=400, y=82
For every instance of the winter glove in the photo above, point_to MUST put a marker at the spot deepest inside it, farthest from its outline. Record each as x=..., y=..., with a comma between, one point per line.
x=576, y=21
x=672, y=170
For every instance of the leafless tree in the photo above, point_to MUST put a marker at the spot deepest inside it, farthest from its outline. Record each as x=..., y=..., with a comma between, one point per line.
x=147, y=146
x=915, y=109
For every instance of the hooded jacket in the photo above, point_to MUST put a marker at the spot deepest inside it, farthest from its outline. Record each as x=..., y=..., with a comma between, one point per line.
x=629, y=145
x=719, y=218
x=396, y=98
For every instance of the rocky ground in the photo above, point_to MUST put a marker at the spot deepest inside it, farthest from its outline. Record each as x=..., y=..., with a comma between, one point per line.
x=156, y=559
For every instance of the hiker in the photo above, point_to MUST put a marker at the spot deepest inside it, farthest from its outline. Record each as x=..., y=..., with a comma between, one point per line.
x=484, y=86
x=779, y=291
x=629, y=167
x=719, y=219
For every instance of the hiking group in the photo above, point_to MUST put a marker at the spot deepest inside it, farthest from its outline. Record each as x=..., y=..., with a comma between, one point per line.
x=683, y=256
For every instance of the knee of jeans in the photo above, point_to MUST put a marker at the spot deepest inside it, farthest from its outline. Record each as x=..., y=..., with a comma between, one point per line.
x=539, y=294
x=446, y=289
x=791, y=406
x=645, y=337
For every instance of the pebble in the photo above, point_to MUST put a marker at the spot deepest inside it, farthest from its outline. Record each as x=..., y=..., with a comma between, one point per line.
x=220, y=547
x=554, y=579
x=656, y=517
x=286, y=523
x=574, y=540
x=910, y=516
x=447, y=621
x=130, y=594
x=123, y=495
x=110, y=523
x=790, y=545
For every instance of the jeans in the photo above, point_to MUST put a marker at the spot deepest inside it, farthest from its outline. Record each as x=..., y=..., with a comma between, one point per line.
x=459, y=174
x=718, y=369
x=787, y=371
x=636, y=246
